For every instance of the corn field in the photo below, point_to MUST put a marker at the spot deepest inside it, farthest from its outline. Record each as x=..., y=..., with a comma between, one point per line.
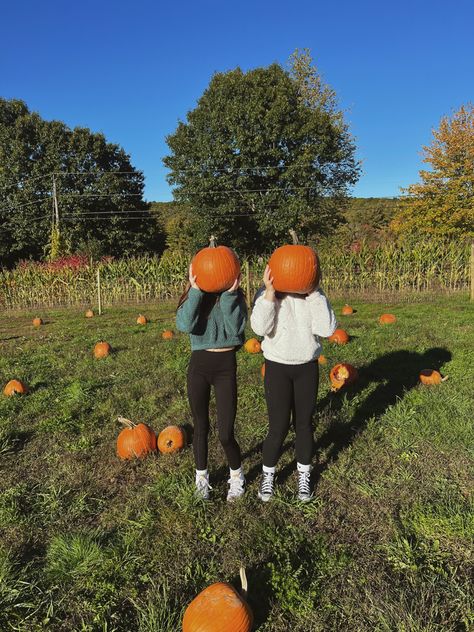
x=389, y=269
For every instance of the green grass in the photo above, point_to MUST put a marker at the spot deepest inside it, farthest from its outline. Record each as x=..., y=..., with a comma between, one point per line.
x=90, y=543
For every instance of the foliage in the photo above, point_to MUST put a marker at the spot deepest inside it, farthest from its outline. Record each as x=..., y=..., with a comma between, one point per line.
x=443, y=202
x=366, y=220
x=255, y=158
x=98, y=206
x=177, y=223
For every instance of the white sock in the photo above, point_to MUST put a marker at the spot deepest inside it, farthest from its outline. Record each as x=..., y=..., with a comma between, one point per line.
x=267, y=469
x=237, y=472
x=200, y=473
x=304, y=468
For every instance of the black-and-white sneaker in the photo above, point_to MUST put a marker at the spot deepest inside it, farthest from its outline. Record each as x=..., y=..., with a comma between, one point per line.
x=266, y=486
x=304, y=486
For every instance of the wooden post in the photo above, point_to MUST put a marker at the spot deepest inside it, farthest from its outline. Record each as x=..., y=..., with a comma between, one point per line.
x=472, y=271
x=99, y=298
x=247, y=281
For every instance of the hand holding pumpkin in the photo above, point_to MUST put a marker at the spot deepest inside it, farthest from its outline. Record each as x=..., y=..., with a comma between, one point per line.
x=192, y=278
x=268, y=281
x=235, y=284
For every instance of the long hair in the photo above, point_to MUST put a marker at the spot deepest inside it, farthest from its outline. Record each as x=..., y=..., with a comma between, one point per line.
x=208, y=301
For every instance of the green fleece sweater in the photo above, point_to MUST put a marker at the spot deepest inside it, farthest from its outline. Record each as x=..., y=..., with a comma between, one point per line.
x=224, y=327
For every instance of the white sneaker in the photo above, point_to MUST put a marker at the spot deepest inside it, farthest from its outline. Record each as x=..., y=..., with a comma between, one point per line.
x=202, y=487
x=236, y=486
x=266, y=486
x=304, y=486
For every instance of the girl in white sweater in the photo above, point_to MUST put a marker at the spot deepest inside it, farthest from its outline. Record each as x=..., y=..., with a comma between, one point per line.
x=291, y=325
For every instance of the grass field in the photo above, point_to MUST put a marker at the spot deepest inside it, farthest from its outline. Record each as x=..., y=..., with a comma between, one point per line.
x=90, y=543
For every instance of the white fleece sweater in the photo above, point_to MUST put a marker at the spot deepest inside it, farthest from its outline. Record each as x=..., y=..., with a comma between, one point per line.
x=291, y=326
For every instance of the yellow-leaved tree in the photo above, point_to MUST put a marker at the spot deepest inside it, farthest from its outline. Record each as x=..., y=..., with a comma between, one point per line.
x=442, y=204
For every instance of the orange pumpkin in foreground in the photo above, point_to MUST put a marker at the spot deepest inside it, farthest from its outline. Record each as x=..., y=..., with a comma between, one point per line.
x=215, y=267
x=136, y=440
x=219, y=608
x=37, y=322
x=431, y=376
x=89, y=314
x=15, y=387
x=167, y=334
x=339, y=337
x=341, y=375
x=102, y=350
x=142, y=320
x=294, y=268
x=171, y=439
x=252, y=346
x=347, y=310
x=387, y=319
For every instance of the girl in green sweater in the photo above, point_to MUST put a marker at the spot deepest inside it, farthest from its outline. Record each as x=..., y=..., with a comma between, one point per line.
x=216, y=324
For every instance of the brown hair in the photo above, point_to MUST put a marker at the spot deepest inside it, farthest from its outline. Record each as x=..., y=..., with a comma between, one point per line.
x=208, y=301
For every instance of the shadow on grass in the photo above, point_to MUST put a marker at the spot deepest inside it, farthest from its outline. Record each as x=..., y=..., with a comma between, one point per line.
x=396, y=373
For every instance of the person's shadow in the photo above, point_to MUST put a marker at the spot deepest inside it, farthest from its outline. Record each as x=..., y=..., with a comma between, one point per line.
x=395, y=373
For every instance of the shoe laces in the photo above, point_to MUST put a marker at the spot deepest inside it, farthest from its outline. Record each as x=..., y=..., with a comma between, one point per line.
x=202, y=483
x=304, y=482
x=267, y=483
x=236, y=485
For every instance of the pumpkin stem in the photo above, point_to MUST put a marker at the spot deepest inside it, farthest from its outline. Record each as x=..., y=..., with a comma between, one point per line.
x=243, y=581
x=443, y=379
x=294, y=237
x=126, y=422
x=212, y=241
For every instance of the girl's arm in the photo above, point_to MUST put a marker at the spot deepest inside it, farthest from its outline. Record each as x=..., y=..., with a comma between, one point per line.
x=187, y=315
x=263, y=315
x=234, y=311
x=323, y=319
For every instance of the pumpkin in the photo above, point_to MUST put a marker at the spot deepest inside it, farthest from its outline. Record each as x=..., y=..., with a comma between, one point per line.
x=89, y=314
x=347, y=310
x=431, y=376
x=102, y=350
x=322, y=359
x=171, y=439
x=339, y=337
x=294, y=268
x=215, y=267
x=219, y=608
x=341, y=375
x=262, y=369
x=37, y=322
x=387, y=319
x=136, y=440
x=167, y=334
x=252, y=346
x=142, y=320
x=15, y=387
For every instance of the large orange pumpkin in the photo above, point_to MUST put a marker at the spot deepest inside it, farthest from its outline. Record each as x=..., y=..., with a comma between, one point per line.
x=294, y=268
x=347, y=310
x=387, y=319
x=136, y=440
x=89, y=314
x=167, y=334
x=15, y=387
x=252, y=346
x=341, y=375
x=142, y=320
x=219, y=608
x=37, y=322
x=339, y=337
x=431, y=376
x=215, y=267
x=102, y=350
x=171, y=439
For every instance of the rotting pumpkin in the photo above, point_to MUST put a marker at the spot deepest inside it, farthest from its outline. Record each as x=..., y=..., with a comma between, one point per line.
x=342, y=374
x=171, y=439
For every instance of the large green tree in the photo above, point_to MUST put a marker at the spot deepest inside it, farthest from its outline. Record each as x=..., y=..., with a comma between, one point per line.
x=256, y=157
x=100, y=208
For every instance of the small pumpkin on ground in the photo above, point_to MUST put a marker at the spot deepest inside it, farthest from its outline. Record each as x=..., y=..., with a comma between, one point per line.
x=135, y=440
x=171, y=439
x=142, y=320
x=339, y=337
x=252, y=346
x=89, y=314
x=15, y=387
x=37, y=322
x=295, y=268
x=215, y=267
x=322, y=359
x=167, y=334
x=387, y=319
x=102, y=350
x=219, y=608
x=431, y=376
x=347, y=310
x=342, y=374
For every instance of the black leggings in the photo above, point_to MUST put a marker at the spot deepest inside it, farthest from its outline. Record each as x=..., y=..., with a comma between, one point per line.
x=218, y=369
x=290, y=389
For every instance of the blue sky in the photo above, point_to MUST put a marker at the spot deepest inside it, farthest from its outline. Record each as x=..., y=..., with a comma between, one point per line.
x=133, y=69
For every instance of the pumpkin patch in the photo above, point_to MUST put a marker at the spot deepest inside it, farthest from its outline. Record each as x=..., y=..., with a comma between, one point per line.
x=347, y=310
